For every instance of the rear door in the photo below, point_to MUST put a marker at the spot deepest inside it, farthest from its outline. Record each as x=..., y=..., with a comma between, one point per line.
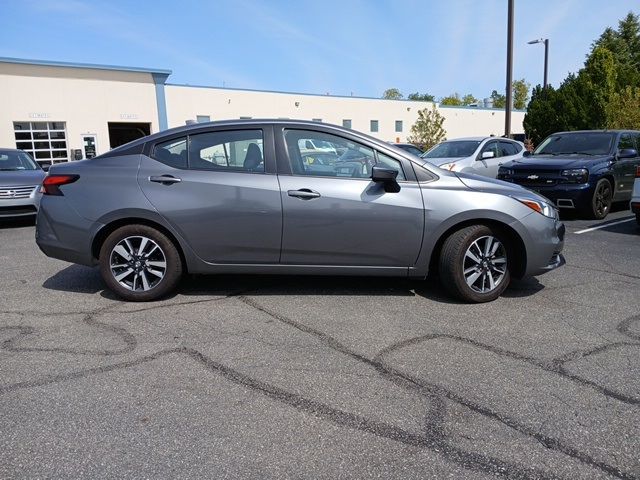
x=218, y=189
x=334, y=215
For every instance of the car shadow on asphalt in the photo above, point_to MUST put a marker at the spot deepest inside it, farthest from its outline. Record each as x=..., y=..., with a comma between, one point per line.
x=87, y=280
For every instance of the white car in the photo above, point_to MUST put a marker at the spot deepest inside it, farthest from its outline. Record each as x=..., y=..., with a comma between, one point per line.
x=635, y=196
x=479, y=155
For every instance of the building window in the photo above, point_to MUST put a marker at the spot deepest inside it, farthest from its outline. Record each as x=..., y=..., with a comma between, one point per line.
x=398, y=125
x=44, y=141
x=346, y=123
x=203, y=118
x=316, y=120
x=374, y=126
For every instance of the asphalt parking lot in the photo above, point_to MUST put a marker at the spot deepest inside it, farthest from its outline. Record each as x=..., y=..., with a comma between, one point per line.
x=298, y=377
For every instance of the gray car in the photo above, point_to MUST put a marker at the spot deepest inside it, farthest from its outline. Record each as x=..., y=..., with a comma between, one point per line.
x=239, y=197
x=20, y=179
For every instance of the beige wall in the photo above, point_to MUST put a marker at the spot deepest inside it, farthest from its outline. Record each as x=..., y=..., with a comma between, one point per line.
x=86, y=99
x=186, y=102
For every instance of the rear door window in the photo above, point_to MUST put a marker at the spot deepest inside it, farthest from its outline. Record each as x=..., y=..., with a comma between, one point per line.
x=172, y=153
x=232, y=150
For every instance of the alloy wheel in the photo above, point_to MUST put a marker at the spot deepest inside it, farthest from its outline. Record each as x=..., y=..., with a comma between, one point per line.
x=485, y=264
x=138, y=263
x=602, y=199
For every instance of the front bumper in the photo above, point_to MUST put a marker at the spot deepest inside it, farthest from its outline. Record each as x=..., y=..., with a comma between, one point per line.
x=20, y=207
x=544, y=241
x=563, y=195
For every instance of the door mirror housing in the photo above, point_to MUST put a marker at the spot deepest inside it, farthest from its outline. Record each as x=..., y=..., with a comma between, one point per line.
x=485, y=155
x=627, y=153
x=387, y=177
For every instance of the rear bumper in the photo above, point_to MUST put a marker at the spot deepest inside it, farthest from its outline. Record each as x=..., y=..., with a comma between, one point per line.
x=67, y=238
x=635, y=206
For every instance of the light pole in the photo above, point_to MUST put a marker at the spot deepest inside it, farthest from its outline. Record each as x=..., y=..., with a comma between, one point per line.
x=546, y=57
x=509, y=89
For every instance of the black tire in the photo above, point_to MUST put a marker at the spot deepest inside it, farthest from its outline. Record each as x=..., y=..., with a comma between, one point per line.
x=638, y=219
x=153, y=287
x=453, y=259
x=601, y=200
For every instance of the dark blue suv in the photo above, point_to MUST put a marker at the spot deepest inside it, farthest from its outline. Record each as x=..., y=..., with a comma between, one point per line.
x=583, y=170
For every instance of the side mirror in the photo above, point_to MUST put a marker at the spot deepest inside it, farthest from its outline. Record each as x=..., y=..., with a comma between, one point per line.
x=487, y=155
x=526, y=153
x=627, y=153
x=46, y=167
x=386, y=176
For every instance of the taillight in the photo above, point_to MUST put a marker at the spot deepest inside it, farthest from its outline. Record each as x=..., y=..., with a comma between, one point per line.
x=51, y=183
x=638, y=171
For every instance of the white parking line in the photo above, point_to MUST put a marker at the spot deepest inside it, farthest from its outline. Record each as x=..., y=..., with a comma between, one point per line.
x=603, y=226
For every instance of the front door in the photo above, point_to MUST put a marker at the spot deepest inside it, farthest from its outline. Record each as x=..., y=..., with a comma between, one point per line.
x=215, y=191
x=334, y=215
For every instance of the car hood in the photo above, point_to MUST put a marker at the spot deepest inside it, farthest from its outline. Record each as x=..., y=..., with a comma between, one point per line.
x=21, y=177
x=550, y=162
x=491, y=185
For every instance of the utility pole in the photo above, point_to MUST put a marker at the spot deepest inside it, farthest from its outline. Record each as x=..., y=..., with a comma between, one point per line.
x=509, y=95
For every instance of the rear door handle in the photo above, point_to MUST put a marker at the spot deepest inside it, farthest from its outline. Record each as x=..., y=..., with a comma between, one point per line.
x=303, y=193
x=165, y=179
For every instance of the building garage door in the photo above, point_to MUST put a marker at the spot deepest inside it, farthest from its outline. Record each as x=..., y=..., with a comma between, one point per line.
x=125, y=132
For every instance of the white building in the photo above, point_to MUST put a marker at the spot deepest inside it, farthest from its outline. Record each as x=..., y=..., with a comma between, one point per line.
x=63, y=111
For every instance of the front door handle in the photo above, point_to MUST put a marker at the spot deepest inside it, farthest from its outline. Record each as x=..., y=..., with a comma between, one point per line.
x=303, y=193
x=164, y=179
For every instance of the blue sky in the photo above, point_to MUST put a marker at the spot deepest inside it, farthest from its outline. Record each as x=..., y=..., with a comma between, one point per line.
x=340, y=47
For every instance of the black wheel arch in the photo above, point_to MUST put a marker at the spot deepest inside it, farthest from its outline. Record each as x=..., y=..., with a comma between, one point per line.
x=516, y=247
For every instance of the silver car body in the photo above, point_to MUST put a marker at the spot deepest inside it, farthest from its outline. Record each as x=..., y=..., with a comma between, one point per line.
x=19, y=189
x=234, y=222
x=635, y=196
x=490, y=153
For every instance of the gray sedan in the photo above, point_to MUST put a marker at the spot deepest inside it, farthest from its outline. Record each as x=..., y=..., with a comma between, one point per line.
x=240, y=197
x=20, y=179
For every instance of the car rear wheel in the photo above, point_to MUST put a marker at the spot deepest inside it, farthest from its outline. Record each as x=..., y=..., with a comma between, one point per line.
x=474, y=264
x=139, y=263
x=601, y=200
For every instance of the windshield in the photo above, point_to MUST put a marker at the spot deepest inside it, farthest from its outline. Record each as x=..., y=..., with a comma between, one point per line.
x=455, y=149
x=587, y=143
x=12, y=161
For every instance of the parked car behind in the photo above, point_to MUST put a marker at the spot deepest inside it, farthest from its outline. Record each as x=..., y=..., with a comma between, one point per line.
x=410, y=147
x=584, y=170
x=479, y=155
x=155, y=208
x=635, y=196
x=20, y=179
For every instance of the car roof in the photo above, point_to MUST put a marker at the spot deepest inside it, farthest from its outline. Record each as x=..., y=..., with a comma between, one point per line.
x=258, y=122
x=10, y=150
x=597, y=131
x=475, y=139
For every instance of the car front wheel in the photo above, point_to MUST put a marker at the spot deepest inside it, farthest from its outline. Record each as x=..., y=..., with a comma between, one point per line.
x=601, y=200
x=474, y=264
x=139, y=263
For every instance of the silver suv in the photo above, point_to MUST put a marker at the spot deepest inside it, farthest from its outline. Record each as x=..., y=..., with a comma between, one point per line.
x=479, y=155
x=240, y=197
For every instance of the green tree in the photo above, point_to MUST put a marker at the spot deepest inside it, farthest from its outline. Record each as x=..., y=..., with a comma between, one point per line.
x=453, y=99
x=589, y=99
x=428, y=129
x=468, y=99
x=520, y=93
x=392, y=94
x=421, y=97
x=623, y=109
x=499, y=100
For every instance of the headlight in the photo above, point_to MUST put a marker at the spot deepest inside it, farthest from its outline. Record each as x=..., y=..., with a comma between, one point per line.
x=575, y=175
x=539, y=206
x=505, y=171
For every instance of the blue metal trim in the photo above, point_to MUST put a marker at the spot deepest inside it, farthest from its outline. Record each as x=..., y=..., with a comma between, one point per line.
x=161, y=102
x=49, y=63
